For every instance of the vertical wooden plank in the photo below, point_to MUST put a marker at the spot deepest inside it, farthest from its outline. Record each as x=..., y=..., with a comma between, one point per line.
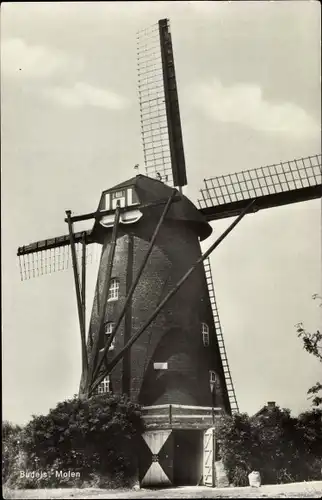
x=83, y=287
x=160, y=444
x=126, y=376
x=208, y=460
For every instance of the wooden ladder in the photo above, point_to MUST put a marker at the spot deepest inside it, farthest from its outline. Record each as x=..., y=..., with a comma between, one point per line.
x=228, y=379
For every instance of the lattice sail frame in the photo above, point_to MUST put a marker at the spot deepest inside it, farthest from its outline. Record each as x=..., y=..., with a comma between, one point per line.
x=264, y=181
x=154, y=127
x=38, y=263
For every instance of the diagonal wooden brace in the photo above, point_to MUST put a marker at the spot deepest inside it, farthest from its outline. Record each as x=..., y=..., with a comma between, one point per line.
x=120, y=355
x=107, y=282
x=135, y=282
x=79, y=303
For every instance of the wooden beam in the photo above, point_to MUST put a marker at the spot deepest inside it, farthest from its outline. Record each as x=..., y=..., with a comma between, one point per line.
x=234, y=208
x=84, y=277
x=101, y=213
x=133, y=339
x=79, y=301
x=105, y=291
x=126, y=371
x=58, y=241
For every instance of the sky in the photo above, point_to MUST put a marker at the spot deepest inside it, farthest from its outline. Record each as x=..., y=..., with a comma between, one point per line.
x=249, y=86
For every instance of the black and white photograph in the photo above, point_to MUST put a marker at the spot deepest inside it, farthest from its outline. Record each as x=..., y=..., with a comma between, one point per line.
x=161, y=249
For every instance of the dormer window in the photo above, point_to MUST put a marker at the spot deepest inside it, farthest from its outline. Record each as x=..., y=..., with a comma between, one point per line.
x=205, y=334
x=104, y=386
x=113, y=293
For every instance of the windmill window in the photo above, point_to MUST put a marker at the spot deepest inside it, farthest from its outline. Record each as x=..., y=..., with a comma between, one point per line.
x=212, y=376
x=104, y=386
x=108, y=331
x=113, y=293
x=205, y=334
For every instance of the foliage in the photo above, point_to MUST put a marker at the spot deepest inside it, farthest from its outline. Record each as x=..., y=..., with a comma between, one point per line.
x=309, y=431
x=234, y=432
x=10, y=447
x=94, y=438
x=312, y=343
x=281, y=447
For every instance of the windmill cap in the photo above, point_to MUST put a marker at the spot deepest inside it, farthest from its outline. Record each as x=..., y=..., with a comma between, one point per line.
x=147, y=190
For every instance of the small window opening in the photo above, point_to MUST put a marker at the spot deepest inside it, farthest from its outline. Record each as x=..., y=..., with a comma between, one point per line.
x=205, y=334
x=104, y=386
x=108, y=329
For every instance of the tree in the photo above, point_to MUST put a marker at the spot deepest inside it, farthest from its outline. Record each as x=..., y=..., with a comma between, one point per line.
x=10, y=447
x=312, y=343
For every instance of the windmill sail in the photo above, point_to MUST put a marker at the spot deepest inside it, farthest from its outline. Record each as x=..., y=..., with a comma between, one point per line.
x=52, y=255
x=159, y=106
x=275, y=185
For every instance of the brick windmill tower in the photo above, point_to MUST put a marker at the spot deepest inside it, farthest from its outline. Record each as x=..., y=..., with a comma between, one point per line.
x=154, y=331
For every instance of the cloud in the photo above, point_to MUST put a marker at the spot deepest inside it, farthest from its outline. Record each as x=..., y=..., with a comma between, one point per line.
x=244, y=104
x=82, y=94
x=32, y=61
x=39, y=62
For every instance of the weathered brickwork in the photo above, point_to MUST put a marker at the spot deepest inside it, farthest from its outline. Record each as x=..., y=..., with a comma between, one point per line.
x=175, y=336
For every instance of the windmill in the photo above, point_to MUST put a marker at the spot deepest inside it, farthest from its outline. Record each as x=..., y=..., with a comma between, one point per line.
x=154, y=332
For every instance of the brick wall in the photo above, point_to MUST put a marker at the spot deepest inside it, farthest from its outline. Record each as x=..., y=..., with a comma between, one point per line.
x=175, y=336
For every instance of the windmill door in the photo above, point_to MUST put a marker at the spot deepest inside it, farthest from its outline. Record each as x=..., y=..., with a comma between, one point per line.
x=156, y=458
x=209, y=457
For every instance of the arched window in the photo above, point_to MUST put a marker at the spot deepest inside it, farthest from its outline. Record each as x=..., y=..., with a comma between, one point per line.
x=205, y=334
x=104, y=386
x=113, y=293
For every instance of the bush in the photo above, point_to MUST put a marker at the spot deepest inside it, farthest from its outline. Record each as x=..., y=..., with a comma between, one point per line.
x=10, y=447
x=234, y=432
x=79, y=442
x=282, y=448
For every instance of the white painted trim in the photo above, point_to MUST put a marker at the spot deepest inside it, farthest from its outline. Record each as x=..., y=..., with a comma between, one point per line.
x=155, y=406
x=178, y=416
x=157, y=416
x=194, y=407
x=182, y=406
x=160, y=366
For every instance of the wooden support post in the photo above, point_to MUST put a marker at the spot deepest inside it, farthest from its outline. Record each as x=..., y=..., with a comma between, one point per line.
x=106, y=287
x=79, y=303
x=135, y=282
x=133, y=339
x=84, y=277
x=126, y=372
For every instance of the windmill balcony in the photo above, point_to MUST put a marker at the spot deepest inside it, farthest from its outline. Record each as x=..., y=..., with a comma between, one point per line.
x=174, y=416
